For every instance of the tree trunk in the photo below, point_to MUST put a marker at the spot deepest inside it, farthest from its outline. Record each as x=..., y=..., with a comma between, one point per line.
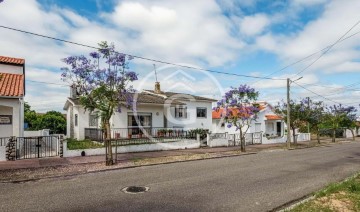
x=109, y=157
x=294, y=136
x=318, y=136
x=242, y=141
x=333, y=135
x=353, y=134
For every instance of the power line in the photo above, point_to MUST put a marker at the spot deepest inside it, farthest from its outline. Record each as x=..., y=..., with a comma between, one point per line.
x=328, y=49
x=317, y=94
x=139, y=57
x=307, y=57
x=338, y=88
x=51, y=83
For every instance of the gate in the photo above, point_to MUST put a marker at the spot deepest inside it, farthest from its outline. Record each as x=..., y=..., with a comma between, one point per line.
x=37, y=147
x=257, y=138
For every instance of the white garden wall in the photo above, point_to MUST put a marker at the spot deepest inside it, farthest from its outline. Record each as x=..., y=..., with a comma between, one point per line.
x=2, y=153
x=184, y=144
x=29, y=133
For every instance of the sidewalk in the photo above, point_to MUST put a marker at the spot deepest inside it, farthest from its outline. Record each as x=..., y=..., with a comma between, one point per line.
x=57, y=161
x=129, y=157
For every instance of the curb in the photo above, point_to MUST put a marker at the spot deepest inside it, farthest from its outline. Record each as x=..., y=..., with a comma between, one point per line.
x=292, y=204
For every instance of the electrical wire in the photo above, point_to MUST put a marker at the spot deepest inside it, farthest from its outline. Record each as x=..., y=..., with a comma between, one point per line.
x=328, y=49
x=139, y=57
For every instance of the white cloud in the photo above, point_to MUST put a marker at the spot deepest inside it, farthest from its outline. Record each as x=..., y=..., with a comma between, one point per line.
x=253, y=25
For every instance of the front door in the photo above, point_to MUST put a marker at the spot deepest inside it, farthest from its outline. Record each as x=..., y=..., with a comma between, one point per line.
x=278, y=128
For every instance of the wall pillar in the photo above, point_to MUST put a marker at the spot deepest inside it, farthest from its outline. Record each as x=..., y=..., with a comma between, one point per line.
x=61, y=148
x=11, y=149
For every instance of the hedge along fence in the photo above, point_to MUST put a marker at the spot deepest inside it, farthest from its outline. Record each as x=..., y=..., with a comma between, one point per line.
x=181, y=144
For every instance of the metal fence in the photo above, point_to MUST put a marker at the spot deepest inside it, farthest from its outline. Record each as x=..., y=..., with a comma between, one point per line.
x=4, y=141
x=250, y=138
x=37, y=147
x=158, y=134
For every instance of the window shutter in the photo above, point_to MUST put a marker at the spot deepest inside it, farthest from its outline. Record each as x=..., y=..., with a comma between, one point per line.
x=176, y=112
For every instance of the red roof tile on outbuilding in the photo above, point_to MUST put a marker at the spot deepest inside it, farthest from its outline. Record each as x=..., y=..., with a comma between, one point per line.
x=12, y=60
x=273, y=117
x=11, y=85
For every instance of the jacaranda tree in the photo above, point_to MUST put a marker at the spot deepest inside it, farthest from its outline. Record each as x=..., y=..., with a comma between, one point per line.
x=102, y=84
x=339, y=116
x=314, y=115
x=239, y=109
x=297, y=115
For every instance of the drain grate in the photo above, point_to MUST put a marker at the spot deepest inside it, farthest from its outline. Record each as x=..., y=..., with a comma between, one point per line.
x=135, y=189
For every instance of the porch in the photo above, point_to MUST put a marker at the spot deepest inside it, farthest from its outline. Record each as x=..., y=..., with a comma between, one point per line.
x=274, y=129
x=11, y=117
x=139, y=133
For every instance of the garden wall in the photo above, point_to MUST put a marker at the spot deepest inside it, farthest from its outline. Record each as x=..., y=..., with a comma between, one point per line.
x=2, y=153
x=184, y=144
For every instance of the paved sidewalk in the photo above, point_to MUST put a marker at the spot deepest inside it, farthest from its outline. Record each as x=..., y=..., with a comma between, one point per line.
x=125, y=157
x=57, y=161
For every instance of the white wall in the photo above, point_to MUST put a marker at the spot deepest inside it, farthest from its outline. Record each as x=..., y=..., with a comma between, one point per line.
x=6, y=130
x=191, y=122
x=120, y=120
x=12, y=69
x=260, y=120
x=348, y=133
x=14, y=107
x=2, y=153
x=32, y=133
x=184, y=144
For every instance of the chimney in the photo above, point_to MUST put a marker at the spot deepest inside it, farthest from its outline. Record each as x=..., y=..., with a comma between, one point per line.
x=157, y=87
x=73, y=92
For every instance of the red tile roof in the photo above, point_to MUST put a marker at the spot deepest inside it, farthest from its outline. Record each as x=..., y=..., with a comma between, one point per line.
x=273, y=117
x=216, y=114
x=233, y=111
x=11, y=85
x=11, y=60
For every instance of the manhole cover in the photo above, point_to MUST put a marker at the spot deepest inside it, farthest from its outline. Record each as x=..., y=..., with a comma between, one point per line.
x=135, y=189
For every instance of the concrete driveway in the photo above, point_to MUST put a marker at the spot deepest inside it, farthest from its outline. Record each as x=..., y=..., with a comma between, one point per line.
x=258, y=182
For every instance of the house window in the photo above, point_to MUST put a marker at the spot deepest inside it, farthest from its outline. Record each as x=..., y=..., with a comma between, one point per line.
x=180, y=112
x=201, y=112
x=93, y=120
x=143, y=120
x=135, y=121
x=76, y=120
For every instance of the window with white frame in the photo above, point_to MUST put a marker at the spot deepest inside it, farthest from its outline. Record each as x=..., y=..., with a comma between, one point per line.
x=201, y=112
x=93, y=120
x=180, y=112
x=76, y=120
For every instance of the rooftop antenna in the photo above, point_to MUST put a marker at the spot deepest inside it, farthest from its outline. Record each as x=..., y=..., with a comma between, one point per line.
x=155, y=73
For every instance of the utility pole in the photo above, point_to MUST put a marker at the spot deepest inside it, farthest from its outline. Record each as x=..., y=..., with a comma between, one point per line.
x=288, y=114
x=308, y=124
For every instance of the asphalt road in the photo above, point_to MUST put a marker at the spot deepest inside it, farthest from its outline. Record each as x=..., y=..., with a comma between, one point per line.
x=258, y=182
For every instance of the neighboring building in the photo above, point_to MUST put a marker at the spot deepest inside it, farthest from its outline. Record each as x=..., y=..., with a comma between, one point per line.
x=12, y=92
x=268, y=123
x=155, y=110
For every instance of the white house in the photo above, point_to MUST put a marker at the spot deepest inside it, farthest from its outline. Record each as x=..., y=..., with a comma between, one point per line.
x=12, y=92
x=155, y=110
x=268, y=123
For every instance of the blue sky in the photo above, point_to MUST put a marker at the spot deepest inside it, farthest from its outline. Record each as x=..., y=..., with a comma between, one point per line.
x=249, y=37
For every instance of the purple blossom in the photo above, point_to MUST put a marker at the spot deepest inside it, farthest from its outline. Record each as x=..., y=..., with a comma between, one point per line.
x=132, y=76
x=229, y=125
x=86, y=74
x=95, y=55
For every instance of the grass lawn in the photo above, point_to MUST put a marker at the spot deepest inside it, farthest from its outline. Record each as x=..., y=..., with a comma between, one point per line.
x=73, y=144
x=343, y=196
